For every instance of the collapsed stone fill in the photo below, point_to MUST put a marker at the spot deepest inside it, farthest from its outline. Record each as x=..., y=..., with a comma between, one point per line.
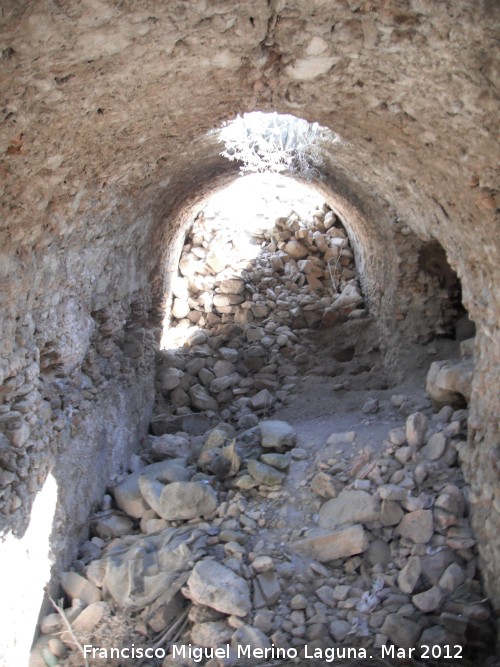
x=247, y=518
x=246, y=303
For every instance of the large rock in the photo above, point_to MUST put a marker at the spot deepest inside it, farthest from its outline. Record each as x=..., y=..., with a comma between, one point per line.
x=77, y=587
x=231, y=286
x=417, y=526
x=265, y=474
x=218, y=454
x=112, y=525
x=178, y=501
x=277, y=434
x=170, y=378
x=391, y=513
x=128, y=495
x=90, y=617
x=211, y=633
x=452, y=578
x=402, y=632
x=326, y=546
x=435, y=447
x=430, y=600
x=225, y=300
x=416, y=429
x=449, y=382
x=325, y=485
x=168, y=446
x=180, y=309
x=341, y=438
x=435, y=564
x=349, y=298
x=296, y=250
x=266, y=589
x=263, y=400
x=201, y=399
x=251, y=636
x=213, y=585
x=349, y=506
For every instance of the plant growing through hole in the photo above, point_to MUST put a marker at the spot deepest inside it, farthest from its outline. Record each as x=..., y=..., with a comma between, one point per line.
x=274, y=142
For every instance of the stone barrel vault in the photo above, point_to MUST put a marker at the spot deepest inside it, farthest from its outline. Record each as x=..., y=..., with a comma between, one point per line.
x=105, y=150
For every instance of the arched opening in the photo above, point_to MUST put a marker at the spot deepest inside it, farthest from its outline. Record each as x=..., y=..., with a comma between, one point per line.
x=338, y=507
x=260, y=275
x=103, y=149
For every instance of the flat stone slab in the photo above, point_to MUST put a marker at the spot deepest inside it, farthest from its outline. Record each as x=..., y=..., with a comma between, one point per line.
x=349, y=506
x=326, y=546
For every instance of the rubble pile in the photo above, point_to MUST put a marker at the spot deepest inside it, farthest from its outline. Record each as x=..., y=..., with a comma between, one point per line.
x=198, y=531
x=247, y=321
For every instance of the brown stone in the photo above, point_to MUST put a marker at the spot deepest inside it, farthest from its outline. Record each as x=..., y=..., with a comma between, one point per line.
x=417, y=526
x=341, y=543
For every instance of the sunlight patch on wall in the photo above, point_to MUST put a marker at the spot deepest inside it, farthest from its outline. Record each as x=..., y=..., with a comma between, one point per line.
x=26, y=564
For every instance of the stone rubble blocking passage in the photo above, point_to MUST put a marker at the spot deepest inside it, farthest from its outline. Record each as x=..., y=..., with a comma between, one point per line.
x=263, y=305
x=179, y=501
x=415, y=577
x=215, y=586
x=410, y=553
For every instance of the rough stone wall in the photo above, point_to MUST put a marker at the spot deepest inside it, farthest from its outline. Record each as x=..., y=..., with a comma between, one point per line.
x=105, y=106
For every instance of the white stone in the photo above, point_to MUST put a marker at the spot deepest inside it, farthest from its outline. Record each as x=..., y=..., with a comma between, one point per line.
x=306, y=69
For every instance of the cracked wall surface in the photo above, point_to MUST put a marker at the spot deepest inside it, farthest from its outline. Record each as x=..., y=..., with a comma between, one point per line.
x=104, y=151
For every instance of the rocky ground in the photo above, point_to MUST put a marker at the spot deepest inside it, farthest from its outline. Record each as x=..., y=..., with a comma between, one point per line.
x=286, y=497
